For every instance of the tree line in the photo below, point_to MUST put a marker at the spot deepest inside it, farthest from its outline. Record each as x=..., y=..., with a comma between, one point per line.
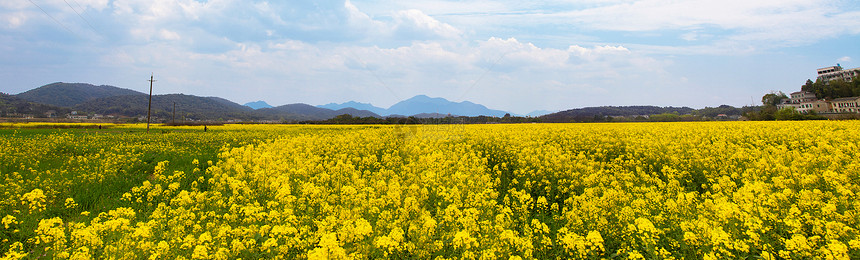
x=823, y=90
x=833, y=89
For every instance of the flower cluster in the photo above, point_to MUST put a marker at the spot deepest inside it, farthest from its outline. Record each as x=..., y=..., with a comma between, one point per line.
x=711, y=190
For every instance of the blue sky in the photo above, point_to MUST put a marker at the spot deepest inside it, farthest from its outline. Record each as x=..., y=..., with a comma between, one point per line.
x=518, y=56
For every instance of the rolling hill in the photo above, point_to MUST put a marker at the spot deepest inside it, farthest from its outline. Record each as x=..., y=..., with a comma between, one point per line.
x=187, y=107
x=108, y=100
x=424, y=106
x=305, y=112
x=71, y=94
x=356, y=105
x=580, y=114
x=538, y=113
x=258, y=104
x=17, y=107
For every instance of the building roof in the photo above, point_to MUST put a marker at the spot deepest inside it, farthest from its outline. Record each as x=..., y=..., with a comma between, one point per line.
x=812, y=101
x=845, y=99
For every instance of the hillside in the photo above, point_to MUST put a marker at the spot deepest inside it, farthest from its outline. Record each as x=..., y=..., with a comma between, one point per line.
x=422, y=104
x=225, y=102
x=258, y=104
x=71, y=94
x=12, y=106
x=108, y=100
x=581, y=114
x=356, y=105
x=187, y=107
x=355, y=112
x=538, y=113
x=305, y=112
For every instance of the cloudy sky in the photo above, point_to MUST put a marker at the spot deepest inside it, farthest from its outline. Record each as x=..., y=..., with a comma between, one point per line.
x=518, y=56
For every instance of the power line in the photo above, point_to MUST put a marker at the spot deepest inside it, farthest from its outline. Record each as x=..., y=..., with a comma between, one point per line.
x=382, y=82
x=364, y=65
x=82, y=17
x=83, y=10
x=52, y=17
x=482, y=76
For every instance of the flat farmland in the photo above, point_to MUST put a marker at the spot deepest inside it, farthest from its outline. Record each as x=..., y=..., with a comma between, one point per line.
x=703, y=190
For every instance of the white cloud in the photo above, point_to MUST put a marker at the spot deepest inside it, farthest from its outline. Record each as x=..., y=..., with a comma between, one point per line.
x=844, y=59
x=597, y=52
x=290, y=45
x=314, y=74
x=511, y=54
x=415, y=23
x=97, y=5
x=14, y=5
x=719, y=27
x=13, y=20
x=169, y=35
x=497, y=53
x=357, y=17
x=51, y=5
x=738, y=22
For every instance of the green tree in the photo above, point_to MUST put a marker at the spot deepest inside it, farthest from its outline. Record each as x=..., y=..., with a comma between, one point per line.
x=809, y=86
x=787, y=113
x=666, y=117
x=773, y=98
x=818, y=87
x=855, y=86
x=841, y=88
x=766, y=113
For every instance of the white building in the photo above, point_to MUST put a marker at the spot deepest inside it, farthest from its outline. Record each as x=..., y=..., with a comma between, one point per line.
x=802, y=101
x=846, y=105
x=818, y=106
x=802, y=96
x=805, y=101
x=837, y=73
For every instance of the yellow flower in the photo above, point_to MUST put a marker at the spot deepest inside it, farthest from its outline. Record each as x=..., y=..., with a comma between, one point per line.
x=9, y=220
x=16, y=251
x=82, y=253
x=463, y=239
x=200, y=252
x=35, y=200
x=70, y=203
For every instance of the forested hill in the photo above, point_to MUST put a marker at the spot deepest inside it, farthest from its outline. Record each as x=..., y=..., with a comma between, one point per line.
x=89, y=100
x=187, y=107
x=305, y=112
x=14, y=106
x=833, y=89
x=583, y=114
x=71, y=94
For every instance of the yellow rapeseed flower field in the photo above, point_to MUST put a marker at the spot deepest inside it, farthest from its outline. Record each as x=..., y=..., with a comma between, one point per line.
x=704, y=190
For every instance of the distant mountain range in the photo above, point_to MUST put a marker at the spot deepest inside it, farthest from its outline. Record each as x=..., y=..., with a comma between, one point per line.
x=12, y=106
x=356, y=105
x=62, y=98
x=583, y=114
x=72, y=94
x=110, y=100
x=304, y=112
x=258, y=104
x=422, y=104
x=538, y=113
x=187, y=107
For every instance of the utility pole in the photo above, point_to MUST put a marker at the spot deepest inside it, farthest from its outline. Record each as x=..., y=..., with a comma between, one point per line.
x=149, y=109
